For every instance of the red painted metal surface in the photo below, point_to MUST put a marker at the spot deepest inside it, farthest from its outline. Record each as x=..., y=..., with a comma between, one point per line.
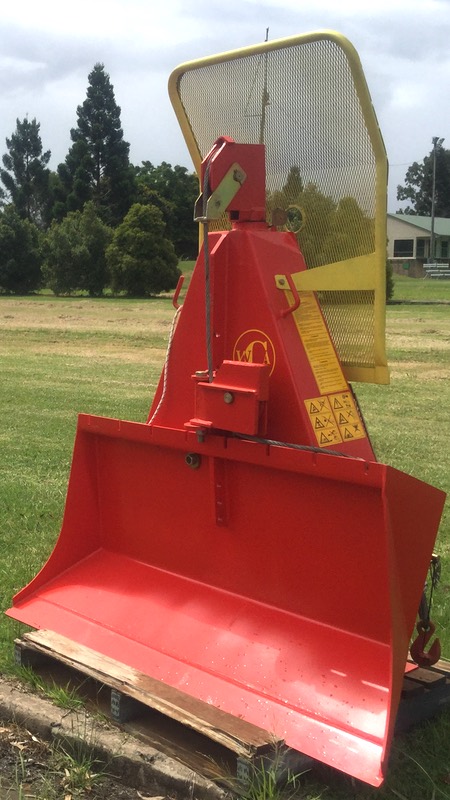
x=250, y=202
x=235, y=400
x=242, y=561
x=249, y=326
x=295, y=615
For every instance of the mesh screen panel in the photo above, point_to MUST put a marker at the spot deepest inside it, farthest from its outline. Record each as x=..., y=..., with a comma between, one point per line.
x=301, y=101
x=350, y=315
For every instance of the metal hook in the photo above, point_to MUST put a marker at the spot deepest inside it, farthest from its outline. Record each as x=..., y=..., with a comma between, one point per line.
x=418, y=653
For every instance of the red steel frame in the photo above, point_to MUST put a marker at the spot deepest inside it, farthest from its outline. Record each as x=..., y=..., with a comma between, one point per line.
x=223, y=550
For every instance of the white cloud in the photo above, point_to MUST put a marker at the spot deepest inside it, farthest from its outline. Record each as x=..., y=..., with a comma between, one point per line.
x=49, y=48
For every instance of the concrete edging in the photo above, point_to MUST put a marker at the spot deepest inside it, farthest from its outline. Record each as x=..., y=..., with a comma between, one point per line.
x=128, y=759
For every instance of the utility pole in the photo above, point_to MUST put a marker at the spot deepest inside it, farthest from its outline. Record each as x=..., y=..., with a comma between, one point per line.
x=431, y=257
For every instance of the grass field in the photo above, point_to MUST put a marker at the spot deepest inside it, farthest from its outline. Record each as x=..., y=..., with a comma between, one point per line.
x=62, y=356
x=416, y=289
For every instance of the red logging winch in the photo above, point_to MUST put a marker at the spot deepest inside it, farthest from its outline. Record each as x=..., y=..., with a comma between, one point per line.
x=244, y=545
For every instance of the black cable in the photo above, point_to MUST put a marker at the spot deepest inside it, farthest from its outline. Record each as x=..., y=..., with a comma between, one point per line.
x=292, y=446
x=209, y=359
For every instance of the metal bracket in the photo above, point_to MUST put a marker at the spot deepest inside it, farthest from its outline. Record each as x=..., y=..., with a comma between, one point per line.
x=220, y=198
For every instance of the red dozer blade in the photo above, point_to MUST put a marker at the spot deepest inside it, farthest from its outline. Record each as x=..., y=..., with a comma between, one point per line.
x=294, y=615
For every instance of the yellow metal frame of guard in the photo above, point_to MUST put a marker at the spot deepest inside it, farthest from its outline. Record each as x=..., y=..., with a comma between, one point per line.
x=367, y=272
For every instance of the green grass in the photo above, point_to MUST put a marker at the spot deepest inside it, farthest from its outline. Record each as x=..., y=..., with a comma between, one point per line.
x=409, y=421
x=61, y=356
x=62, y=696
x=418, y=289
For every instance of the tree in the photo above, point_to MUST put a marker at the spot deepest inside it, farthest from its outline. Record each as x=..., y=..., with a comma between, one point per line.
x=351, y=232
x=293, y=186
x=26, y=175
x=141, y=258
x=74, y=253
x=97, y=166
x=419, y=184
x=174, y=191
x=57, y=196
x=20, y=256
x=330, y=230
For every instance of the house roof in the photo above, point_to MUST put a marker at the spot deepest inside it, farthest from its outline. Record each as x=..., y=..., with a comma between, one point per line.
x=441, y=224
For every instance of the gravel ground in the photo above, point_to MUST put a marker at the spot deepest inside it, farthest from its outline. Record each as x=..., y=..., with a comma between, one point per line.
x=31, y=767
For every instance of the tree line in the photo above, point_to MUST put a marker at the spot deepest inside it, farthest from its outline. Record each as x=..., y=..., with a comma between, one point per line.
x=98, y=221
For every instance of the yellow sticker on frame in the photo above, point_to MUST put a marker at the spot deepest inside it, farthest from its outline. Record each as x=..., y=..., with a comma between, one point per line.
x=318, y=346
x=350, y=423
x=323, y=421
x=334, y=418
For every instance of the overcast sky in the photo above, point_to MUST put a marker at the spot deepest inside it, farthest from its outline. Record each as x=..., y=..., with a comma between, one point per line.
x=48, y=49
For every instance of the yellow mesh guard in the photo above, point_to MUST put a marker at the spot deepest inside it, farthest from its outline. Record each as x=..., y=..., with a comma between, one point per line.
x=306, y=99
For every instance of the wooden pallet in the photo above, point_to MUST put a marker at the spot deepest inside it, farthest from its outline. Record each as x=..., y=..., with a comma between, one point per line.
x=426, y=692
x=181, y=724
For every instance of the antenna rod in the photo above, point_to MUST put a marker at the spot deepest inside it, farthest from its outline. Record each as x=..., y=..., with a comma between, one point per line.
x=265, y=96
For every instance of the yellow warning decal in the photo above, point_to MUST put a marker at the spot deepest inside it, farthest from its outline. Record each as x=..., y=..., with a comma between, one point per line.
x=334, y=419
x=323, y=421
x=350, y=423
x=318, y=345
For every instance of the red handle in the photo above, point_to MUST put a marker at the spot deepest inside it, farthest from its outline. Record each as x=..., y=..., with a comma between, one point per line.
x=296, y=302
x=175, y=302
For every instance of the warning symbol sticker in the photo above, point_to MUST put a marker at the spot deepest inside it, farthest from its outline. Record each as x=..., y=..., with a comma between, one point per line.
x=318, y=405
x=323, y=421
x=341, y=400
x=335, y=418
x=347, y=417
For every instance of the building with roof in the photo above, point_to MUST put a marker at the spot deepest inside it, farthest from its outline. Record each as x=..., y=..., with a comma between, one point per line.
x=409, y=242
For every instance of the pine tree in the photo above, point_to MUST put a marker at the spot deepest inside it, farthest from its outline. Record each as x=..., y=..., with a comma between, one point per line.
x=293, y=186
x=20, y=255
x=141, y=259
x=26, y=176
x=97, y=166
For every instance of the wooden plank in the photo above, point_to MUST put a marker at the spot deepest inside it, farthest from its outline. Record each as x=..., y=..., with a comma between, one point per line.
x=427, y=677
x=411, y=688
x=443, y=665
x=425, y=693
x=237, y=735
